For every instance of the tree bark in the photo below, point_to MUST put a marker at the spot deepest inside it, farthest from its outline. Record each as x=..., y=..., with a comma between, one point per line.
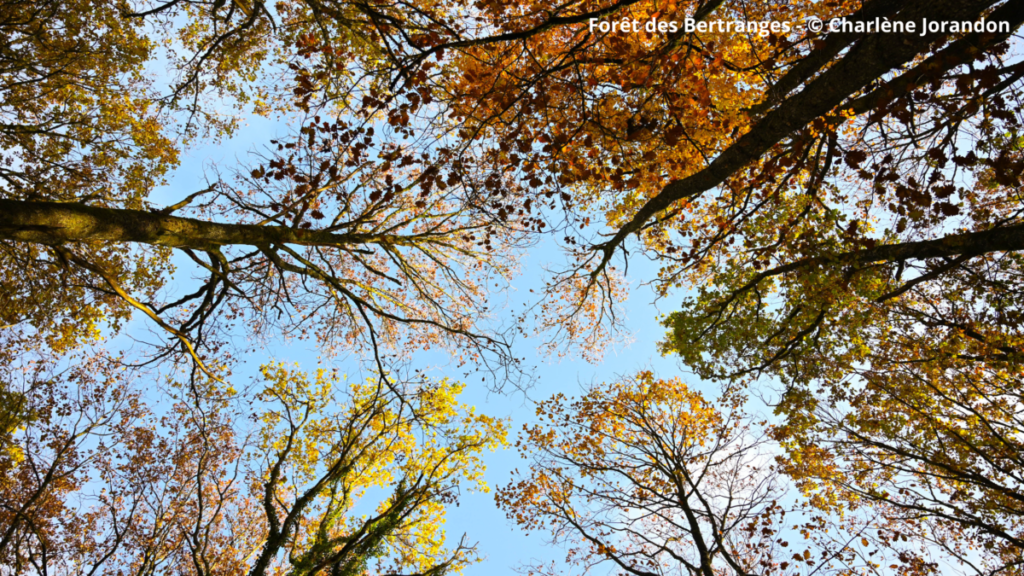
x=1004, y=239
x=57, y=223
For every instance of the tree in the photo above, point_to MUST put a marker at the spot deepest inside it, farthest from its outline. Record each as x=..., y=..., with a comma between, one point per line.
x=382, y=254
x=50, y=458
x=883, y=295
x=643, y=474
x=648, y=477
x=77, y=126
x=184, y=492
x=341, y=229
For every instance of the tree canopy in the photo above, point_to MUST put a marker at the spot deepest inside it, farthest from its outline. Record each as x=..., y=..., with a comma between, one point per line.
x=834, y=214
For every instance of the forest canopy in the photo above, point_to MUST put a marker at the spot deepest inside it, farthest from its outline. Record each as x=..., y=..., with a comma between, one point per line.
x=832, y=213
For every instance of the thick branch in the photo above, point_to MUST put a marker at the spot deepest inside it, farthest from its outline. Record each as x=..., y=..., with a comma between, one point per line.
x=873, y=57
x=57, y=223
x=1004, y=239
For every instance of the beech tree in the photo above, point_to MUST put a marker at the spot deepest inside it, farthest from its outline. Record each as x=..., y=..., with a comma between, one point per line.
x=183, y=492
x=843, y=207
x=646, y=477
x=366, y=231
